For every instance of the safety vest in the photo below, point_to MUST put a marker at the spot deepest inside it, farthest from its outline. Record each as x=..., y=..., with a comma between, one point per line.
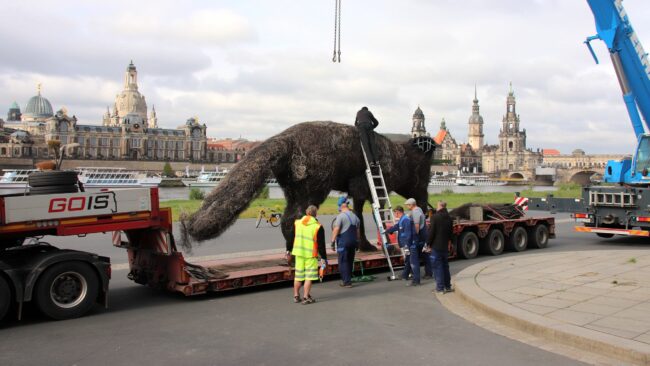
x=305, y=243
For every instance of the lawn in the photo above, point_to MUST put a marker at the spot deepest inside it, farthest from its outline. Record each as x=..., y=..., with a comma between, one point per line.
x=329, y=206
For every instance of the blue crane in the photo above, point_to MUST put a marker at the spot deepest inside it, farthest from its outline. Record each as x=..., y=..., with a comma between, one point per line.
x=633, y=72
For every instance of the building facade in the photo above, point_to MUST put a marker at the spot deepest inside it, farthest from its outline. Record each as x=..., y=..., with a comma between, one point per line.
x=511, y=154
x=126, y=133
x=577, y=159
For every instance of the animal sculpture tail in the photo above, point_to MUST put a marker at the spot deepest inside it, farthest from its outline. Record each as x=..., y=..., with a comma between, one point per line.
x=234, y=193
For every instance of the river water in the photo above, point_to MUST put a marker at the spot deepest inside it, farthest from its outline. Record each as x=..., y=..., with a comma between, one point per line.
x=181, y=193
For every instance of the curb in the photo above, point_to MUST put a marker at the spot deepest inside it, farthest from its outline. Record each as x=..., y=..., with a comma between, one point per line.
x=546, y=328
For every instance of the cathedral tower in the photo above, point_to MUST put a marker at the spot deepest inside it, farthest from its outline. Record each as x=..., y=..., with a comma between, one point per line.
x=418, y=128
x=475, y=135
x=511, y=139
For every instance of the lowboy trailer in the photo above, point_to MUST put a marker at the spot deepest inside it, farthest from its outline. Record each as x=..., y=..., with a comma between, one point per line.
x=67, y=283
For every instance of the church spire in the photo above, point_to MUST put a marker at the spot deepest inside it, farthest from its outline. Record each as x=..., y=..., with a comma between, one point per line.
x=475, y=133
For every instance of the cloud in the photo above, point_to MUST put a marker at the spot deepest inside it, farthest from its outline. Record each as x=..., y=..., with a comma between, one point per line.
x=213, y=27
x=255, y=68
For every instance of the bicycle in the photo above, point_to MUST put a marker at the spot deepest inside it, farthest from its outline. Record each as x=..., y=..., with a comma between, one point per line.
x=271, y=216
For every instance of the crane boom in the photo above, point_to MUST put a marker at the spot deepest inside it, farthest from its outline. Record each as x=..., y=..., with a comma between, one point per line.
x=628, y=57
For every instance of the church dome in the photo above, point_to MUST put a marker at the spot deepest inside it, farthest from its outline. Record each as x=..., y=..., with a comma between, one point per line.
x=418, y=113
x=38, y=107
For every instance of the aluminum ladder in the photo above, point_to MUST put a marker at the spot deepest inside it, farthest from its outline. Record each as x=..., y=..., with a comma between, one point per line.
x=380, y=193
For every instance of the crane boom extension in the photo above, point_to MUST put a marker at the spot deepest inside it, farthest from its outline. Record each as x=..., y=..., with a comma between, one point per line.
x=628, y=57
x=633, y=72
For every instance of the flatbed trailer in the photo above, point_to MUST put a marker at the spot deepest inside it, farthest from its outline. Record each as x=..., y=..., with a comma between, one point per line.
x=66, y=283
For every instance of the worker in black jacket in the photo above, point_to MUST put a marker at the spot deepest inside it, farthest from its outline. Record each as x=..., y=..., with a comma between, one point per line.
x=366, y=123
x=440, y=234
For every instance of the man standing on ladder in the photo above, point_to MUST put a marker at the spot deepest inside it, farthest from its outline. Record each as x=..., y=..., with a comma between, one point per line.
x=346, y=234
x=366, y=123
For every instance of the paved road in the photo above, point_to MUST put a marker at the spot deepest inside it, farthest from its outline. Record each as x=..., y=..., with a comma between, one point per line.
x=378, y=323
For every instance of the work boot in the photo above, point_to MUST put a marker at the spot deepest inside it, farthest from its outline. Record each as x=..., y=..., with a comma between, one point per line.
x=412, y=284
x=427, y=277
x=449, y=289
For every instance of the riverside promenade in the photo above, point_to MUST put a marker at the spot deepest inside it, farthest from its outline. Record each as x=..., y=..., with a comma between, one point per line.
x=579, y=303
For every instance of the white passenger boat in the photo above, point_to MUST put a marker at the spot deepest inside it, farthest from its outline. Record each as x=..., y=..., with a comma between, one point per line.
x=464, y=180
x=442, y=181
x=207, y=179
x=115, y=178
x=212, y=179
x=15, y=178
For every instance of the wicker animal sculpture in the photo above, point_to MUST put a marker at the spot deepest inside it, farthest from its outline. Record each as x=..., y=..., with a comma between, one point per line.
x=309, y=160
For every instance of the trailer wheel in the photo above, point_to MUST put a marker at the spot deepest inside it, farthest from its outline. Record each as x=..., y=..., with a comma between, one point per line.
x=5, y=297
x=52, y=178
x=493, y=243
x=538, y=236
x=468, y=245
x=518, y=239
x=605, y=235
x=67, y=290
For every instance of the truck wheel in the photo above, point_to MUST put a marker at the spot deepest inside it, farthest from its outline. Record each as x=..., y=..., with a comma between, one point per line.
x=5, y=297
x=493, y=243
x=605, y=235
x=518, y=240
x=52, y=178
x=538, y=236
x=67, y=290
x=468, y=245
x=53, y=189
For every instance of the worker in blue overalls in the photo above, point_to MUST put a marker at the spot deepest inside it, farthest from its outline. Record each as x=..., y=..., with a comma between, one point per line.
x=407, y=240
x=346, y=232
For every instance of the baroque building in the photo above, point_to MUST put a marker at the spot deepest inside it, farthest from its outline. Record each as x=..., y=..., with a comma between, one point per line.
x=127, y=133
x=511, y=154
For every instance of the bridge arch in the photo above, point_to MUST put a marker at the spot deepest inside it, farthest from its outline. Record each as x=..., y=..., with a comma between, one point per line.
x=516, y=175
x=582, y=177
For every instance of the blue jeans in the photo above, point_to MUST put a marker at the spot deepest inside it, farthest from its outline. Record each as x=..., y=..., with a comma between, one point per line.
x=346, y=264
x=428, y=266
x=440, y=260
x=412, y=264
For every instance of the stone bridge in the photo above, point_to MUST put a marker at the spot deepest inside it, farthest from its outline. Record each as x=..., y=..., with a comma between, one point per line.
x=576, y=175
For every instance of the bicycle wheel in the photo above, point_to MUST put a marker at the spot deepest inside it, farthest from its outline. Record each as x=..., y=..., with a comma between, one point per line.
x=275, y=219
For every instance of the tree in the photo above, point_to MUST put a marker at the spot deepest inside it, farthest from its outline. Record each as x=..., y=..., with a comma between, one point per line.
x=168, y=171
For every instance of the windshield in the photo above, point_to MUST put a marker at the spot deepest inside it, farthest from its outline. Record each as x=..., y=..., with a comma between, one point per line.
x=643, y=154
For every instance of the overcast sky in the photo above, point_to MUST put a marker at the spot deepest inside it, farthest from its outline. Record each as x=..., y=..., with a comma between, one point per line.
x=253, y=68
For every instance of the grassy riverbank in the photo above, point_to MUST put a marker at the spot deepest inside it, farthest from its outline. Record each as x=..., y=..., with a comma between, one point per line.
x=329, y=206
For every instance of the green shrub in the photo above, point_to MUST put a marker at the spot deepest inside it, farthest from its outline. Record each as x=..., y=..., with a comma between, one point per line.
x=196, y=194
x=447, y=191
x=168, y=171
